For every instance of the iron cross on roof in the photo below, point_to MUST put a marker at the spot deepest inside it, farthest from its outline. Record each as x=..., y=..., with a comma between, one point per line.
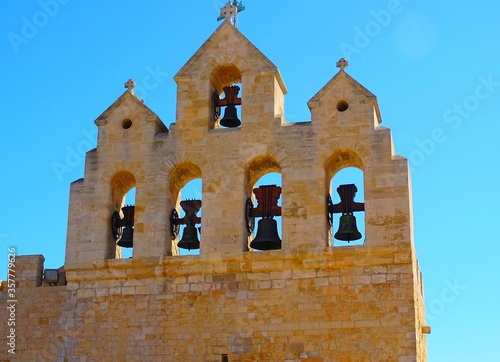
x=229, y=11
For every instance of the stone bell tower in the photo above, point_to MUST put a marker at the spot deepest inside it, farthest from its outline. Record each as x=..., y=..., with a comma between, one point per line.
x=298, y=298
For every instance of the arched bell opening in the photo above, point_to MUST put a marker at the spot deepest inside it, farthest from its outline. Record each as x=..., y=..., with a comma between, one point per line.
x=264, y=213
x=185, y=217
x=122, y=218
x=344, y=198
x=345, y=208
x=125, y=245
x=190, y=207
x=227, y=92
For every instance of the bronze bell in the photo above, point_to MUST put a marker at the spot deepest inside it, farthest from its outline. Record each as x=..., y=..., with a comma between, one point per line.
x=347, y=229
x=127, y=239
x=189, y=238
x=267, y=237
x=230, y=118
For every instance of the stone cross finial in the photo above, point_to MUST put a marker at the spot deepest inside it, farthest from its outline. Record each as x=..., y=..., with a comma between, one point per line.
x=130, y=84
x=228, y=11
x=342, y=63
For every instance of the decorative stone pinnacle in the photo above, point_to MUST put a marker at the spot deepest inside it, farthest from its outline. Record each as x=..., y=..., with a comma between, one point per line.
x=342, y=64
x=228, y=11
x=130, y=84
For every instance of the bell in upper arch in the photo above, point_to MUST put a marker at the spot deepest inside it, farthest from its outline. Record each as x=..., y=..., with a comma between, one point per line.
x=347, y=229
x=230, y=118
x=231, y=100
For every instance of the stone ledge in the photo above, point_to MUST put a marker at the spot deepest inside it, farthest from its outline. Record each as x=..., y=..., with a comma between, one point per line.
x=248, y=262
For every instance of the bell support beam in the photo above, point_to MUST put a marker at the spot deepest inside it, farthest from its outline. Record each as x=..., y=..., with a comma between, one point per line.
x=347, y=204
x=267, y=201
x=231, y=97
x=191, y=208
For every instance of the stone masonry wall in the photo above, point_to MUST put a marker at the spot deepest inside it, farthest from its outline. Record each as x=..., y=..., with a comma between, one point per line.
x=345, y=304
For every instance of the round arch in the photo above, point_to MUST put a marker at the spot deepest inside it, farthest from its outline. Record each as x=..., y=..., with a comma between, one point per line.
x=257, y=168
x=339, y=160
x=181, y=174
x=225, y=75
x=121, y=183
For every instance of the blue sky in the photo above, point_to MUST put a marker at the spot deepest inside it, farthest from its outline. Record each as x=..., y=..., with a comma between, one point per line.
x=434, y=66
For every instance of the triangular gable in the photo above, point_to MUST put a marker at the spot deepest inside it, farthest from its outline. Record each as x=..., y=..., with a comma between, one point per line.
x=331, y=85
x=128, y=96
x=224, y=32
